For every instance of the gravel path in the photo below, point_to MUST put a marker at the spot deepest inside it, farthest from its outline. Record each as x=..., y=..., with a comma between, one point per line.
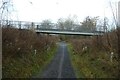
x=60, y=66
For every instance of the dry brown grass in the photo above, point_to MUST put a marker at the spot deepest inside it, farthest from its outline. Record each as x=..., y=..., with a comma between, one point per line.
x=18, y=56
x=96, y=60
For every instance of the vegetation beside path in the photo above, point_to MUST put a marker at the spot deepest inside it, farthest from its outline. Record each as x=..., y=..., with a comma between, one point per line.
x=90, y=64
x=25, y=53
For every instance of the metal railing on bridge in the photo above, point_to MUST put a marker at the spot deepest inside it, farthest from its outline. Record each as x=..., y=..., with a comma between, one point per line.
x=68, y=32
x=37, y=27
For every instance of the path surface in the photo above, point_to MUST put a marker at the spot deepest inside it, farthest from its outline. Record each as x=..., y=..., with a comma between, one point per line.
x=60, y=66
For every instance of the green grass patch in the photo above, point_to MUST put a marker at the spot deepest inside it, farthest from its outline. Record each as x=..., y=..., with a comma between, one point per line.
x=47, y=60
x=75, y=61
x=27, y=65
x=91, y=65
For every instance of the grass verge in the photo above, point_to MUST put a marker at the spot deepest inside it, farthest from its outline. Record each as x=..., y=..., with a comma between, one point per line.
x=49, y=57
x=27, y=65
x=89, y=65
x=78, y=73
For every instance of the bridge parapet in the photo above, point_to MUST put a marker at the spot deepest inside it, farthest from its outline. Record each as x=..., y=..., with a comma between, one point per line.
x=69, y=30
x=46, y=31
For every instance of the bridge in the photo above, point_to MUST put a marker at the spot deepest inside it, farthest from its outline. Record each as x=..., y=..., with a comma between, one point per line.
x=68, y=32
x=37, y=27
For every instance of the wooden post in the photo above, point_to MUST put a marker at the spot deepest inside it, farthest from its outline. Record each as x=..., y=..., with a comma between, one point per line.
x=111, y=57
x=35, y=51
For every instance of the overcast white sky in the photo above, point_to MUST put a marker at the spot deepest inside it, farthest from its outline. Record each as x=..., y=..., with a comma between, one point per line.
x=38, y=10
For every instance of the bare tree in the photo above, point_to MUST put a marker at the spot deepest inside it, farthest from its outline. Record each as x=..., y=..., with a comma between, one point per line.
x=46, y=24
x=117, y=28
x=65, y=24
x=5, y=11
x=89, y=24
x=117, y=33
x=69, y=24
x=60, y=24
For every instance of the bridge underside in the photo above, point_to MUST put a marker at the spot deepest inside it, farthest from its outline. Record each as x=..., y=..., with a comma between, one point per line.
x=67, y=33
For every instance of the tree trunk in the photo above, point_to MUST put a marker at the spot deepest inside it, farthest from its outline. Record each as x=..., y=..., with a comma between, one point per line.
x=118, y=36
